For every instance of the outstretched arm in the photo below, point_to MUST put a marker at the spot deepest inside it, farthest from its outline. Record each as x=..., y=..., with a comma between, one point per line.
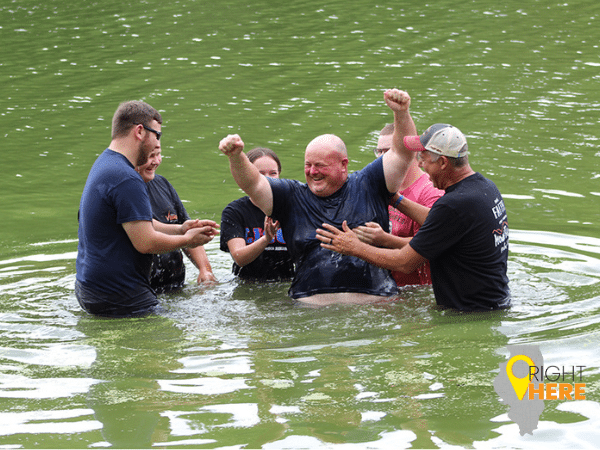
x=346, y=242
x=371, y=233
x=397, y=161
x=246, y=175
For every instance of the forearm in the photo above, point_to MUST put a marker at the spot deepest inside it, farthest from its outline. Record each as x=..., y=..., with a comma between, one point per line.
x=388, y=258
x=199, y=257
x=245, y=174
x=249, y=179
x=146, y=239
x=245, y=254
x=166, y=228
x=398, y=160
x=403, y=126
x=414, y=210
x=164, y=243
x=392, y=241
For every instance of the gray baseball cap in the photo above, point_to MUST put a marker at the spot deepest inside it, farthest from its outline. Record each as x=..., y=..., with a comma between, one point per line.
x=440, y=138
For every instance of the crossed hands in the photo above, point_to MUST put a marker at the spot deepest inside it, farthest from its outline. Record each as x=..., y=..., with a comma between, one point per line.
x=199, y=232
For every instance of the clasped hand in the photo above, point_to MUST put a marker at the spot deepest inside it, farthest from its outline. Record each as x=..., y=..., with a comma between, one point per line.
x=199, y=231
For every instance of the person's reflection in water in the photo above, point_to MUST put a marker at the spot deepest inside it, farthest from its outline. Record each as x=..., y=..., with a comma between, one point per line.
x=132, y=355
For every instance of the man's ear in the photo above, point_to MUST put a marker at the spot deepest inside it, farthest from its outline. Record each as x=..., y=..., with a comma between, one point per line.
x=138, y=132
x=445, y=162
x=345, y=164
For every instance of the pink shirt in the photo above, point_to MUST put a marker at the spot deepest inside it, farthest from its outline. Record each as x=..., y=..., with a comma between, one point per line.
x=422, y=192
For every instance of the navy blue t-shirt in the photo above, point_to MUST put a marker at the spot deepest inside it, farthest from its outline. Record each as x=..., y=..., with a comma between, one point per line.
x=107, y=263
x=465, y=239
x=363, y=198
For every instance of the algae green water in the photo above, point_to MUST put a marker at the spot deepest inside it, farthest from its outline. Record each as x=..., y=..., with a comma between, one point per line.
x=238, y=365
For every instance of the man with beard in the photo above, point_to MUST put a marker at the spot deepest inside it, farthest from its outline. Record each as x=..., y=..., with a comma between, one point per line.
x=117, y=235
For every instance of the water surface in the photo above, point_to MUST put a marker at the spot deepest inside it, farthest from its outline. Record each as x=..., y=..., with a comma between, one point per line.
x=239, y=365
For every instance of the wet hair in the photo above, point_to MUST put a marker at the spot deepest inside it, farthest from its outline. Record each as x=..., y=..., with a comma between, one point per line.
x=259, y=152
x=132, y=113
x=387, y=130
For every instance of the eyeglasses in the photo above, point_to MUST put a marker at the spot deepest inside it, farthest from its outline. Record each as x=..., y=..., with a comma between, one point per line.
x=157, y=133
x=380, y=151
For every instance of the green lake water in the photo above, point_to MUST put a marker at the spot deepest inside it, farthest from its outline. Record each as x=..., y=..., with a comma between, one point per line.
x=238, y=365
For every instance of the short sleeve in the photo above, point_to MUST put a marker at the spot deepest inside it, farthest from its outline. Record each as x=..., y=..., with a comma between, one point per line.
x=441, y=230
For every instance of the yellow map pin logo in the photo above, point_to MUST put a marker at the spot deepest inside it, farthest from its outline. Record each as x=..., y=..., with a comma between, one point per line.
x=520, y=385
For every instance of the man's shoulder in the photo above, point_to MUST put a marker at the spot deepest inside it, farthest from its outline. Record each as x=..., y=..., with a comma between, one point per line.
x=286, y=186
x=285, y=182
x=475, y=184
x=375, y=166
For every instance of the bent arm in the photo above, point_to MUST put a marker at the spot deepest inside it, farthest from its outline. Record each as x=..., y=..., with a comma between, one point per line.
x=246, y=175
x=404, y=260
x=397, y=161
x=146, y=239
x=167, y=228
x=396, y=241
x=372, y=233
x=244, y=254
x=414, y=210
x=250, y=180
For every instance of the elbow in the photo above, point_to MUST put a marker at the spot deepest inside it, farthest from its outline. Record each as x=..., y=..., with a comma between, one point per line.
x=145, y=250
x=144, y=246
x=239, y=260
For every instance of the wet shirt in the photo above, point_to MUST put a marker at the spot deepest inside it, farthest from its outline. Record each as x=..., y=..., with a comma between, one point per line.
x=242, y=219
x=107, y=262
x=363, y=198
x=168, y=269
x=465, y=239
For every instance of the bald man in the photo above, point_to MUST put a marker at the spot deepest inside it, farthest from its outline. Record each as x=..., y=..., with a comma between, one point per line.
x=330, y=195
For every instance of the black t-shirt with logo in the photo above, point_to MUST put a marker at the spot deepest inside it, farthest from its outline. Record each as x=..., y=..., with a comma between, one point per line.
x=242, y=219
x=465, y=239
x=168, y=269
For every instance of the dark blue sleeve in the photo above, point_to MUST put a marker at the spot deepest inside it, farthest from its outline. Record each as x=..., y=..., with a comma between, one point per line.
x=131, y=201
x=282, y=192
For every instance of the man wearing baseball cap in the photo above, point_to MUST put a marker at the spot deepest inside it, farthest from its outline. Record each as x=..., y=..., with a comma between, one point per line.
x=464, y=236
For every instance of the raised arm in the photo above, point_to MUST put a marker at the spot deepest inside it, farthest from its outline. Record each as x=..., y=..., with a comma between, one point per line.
x=246, y=175
x=397, y=161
